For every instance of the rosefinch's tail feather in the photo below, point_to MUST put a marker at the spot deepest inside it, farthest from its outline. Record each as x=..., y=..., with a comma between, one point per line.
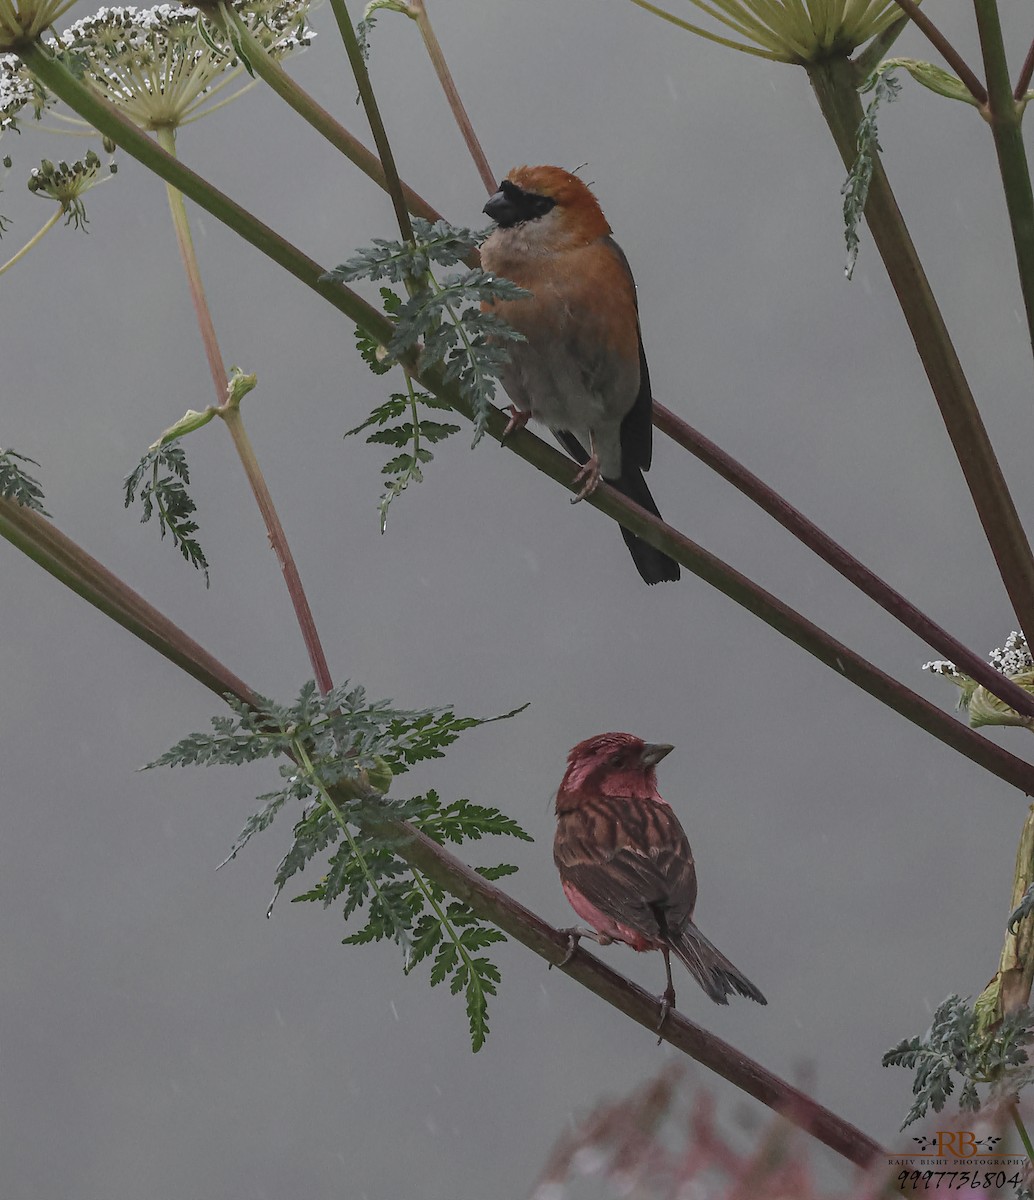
x=653, y=564
x=710, y=968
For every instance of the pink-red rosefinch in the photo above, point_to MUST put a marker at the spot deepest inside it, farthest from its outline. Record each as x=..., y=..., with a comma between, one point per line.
x=626, y=865
x=582, y=370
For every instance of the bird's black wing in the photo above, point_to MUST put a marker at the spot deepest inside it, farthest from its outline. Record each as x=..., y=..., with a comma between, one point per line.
x=637, y=427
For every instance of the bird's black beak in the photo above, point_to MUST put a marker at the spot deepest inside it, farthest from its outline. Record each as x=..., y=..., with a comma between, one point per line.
x=653, y=753
x=501, y=209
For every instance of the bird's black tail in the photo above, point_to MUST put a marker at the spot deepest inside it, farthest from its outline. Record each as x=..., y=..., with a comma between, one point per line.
x=653, y=564
x=710, y=968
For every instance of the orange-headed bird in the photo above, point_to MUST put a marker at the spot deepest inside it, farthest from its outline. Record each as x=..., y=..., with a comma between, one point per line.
x=582, y=370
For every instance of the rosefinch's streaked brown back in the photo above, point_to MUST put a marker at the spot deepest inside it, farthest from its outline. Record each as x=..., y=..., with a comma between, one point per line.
x=625, y=862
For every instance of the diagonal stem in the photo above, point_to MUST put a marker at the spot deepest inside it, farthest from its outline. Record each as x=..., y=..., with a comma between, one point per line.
x=81, y=573
x=834, y=82
x=1003, y=112
x=821, y=544
x=945, y=49
x=38, y=236
x=1026, y=71
x=272, y=72
x=491, y=904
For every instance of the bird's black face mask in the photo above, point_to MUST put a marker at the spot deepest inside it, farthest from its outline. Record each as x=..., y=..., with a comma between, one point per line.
x=512, y=205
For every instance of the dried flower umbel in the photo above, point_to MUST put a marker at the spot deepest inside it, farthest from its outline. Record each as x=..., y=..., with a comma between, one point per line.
x=1015, y=662
x=67, y=184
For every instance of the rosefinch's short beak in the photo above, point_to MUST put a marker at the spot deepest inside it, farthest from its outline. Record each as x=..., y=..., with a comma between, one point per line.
x=653, y=753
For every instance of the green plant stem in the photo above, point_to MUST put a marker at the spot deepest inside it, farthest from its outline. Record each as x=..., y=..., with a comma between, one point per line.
x=876, y=50
x=1003, y=113
x=231, y=414
x=166, y=138
x=835, y=83
x=452, y=95
x=822, y=545
x=38, y=236
x=270, y=71
x=1016, y=964
x=70, y=564
x=473, y=980
x=921, y=19
x=1021, y=1129
x=301, y=756
x=373, y=115
x=108, y=120
x=834, y=654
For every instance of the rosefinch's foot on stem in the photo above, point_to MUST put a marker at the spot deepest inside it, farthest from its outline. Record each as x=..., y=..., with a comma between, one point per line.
x=518, y=419
x=667, y=1000
x=574, y=936
x=590, y=473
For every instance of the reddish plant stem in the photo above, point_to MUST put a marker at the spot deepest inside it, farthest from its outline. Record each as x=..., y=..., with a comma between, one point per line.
x=452, y=95
x=1026, y=71
x=840, y=560
x=945, y=49
x=231, y=415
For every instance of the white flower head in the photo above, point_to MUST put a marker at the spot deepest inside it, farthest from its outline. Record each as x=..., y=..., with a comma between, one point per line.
x=162, y=65
x=1014, y=657
x=17, y=90
x=941, y=666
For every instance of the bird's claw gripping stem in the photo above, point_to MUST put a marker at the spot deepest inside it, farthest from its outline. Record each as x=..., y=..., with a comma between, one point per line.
x=590, y=473
x=667, y=1001
x=518, y=419
x=574, y=936
x=573, y=939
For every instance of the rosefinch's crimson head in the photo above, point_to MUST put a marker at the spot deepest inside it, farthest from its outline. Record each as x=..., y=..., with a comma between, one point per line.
x=626, y=865
x=613, y=764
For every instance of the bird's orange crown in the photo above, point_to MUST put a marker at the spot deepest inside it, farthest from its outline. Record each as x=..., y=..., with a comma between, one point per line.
x=577, y=210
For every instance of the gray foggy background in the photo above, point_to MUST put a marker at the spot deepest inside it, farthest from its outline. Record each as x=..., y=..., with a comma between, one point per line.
x=159, y=1037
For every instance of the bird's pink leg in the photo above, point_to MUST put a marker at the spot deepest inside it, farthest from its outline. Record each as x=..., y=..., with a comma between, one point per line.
x=590, y=472
x=668, y=995
x=519, y=417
